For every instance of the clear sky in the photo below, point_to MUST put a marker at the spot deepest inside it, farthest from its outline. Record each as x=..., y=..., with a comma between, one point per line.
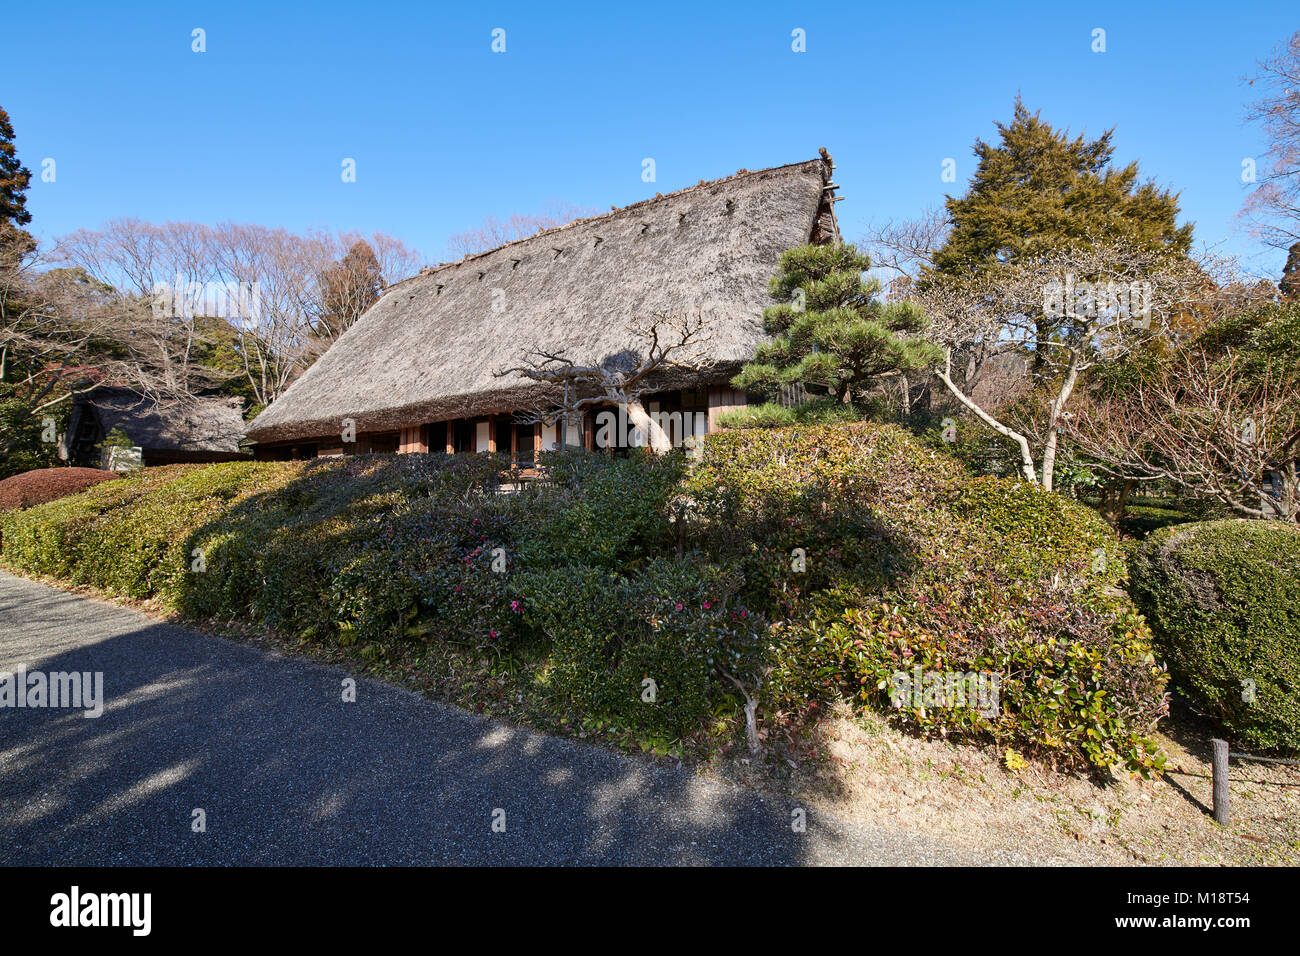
x=445, y=132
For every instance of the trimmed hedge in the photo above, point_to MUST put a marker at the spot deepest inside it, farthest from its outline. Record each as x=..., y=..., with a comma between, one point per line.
x=1223, y=598
x=803, y=563
x=646, y=649
x=47, y=484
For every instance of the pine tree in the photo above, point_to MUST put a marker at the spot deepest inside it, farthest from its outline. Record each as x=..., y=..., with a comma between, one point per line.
x=14, y=178
x=831, y=333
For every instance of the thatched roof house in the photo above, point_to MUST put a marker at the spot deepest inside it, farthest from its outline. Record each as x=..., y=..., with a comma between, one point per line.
x=198, y=430
x=421, y=369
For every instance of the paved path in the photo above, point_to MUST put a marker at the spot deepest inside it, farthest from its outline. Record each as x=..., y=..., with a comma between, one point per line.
x=287, y=773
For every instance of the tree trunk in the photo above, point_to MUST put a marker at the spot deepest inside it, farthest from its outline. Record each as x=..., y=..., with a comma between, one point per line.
x=1058, y=408
x=751, y=715
x=1114, y=501
x=1026, y=458
x=658, y=440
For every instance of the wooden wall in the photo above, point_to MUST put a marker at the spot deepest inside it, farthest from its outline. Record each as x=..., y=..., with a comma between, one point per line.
x=723, y=398
x=412, y=440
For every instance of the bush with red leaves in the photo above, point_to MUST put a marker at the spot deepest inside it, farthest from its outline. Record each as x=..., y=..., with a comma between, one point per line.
x=47, y=484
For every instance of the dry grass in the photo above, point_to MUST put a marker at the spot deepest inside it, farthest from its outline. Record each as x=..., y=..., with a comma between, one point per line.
x=873, y=774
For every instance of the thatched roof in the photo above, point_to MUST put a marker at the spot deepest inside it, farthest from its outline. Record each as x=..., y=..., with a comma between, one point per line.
x=432, y=346
x=198, y=425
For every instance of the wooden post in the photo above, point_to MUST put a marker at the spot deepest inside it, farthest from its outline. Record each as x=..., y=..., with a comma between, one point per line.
x=451, y=436
x=1220, y=780
x=492, y=434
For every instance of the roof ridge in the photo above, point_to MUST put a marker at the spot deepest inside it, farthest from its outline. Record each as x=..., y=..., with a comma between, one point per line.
x=658, y=197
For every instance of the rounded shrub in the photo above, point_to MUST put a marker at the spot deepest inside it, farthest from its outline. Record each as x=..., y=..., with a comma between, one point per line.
x=48, y=484
x=1223, y=598
x=1030, y=532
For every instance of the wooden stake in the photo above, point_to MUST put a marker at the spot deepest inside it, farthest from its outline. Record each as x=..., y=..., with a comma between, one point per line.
x=1220, y=780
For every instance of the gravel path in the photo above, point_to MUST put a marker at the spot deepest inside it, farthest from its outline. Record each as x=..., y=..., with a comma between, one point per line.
x=288, y=773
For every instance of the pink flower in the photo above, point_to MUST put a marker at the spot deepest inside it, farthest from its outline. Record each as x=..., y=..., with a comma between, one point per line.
x=679, y=607
x=514, y=605
x=493, y=633
x=707, y=605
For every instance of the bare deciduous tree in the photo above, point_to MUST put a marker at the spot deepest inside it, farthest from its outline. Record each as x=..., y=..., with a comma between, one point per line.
x=1100, y=300
x=904, y=247
x=1273, y=206
x=668, y=343
x=62, y=333
x=268, y=284
x=1205, y=425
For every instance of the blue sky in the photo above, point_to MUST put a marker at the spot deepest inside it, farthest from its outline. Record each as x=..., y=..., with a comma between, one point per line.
x=445, y=132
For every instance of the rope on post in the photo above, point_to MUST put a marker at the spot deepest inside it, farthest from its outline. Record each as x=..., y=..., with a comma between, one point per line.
x=1220, y=780
x=1286, y=763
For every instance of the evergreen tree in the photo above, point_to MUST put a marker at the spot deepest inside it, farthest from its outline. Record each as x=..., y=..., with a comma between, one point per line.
x=1290, y=282
x=1038, y=191
x=14, y=178
x=831, y=333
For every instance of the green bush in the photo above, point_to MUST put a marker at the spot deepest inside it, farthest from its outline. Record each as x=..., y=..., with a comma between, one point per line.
x=813, y=411
x=1223, y=598
x=651, y=650
x=804, y=510
x=363, y=549
x=907, y=561
x=129, y=536
x=600, y=510
x=1026, y=533
x=1076, y=677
